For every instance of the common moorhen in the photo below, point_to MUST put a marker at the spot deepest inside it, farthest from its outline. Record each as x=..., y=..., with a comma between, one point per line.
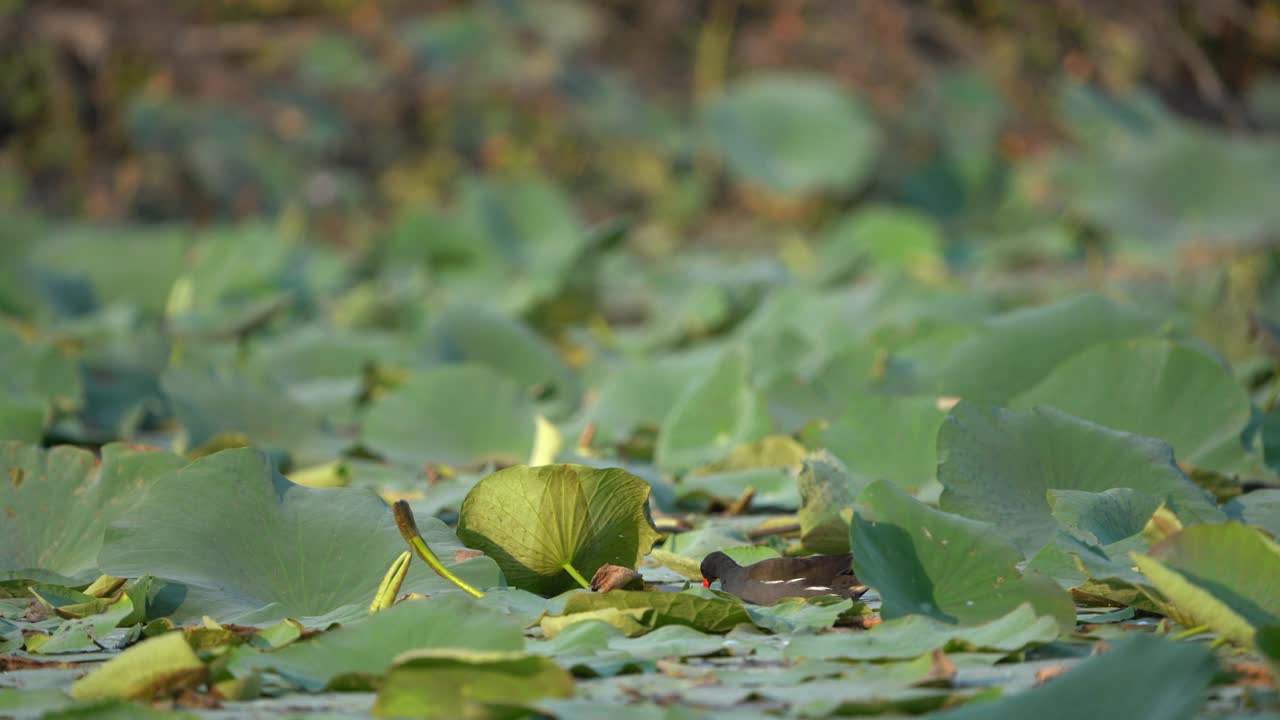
x=769, y=581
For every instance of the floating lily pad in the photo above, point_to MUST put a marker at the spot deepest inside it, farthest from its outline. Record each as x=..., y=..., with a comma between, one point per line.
x=915, y=635
x=1260, y=509
x=883, y=237
x=716, y=414
x=1156, y=388
x=927, y=562
x=367, y=647
x=1140, y=676
x=887, y=438
x=251, y=546
x=217, y=404
x=793, y=134
x=22, y=420
x=38, y=373
x=635, y=396
x=605, y=650
x=461, y=415
x=998, y=465
x=1011, y=353
x=134, y=265
x=799, y=615
x=471, y=335
x=701, y=610
x=57, y=503
x=543, y=524
x=1107, y=517
x=452, y=683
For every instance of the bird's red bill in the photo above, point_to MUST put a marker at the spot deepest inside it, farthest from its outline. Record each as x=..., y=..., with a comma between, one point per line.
x=706, y=583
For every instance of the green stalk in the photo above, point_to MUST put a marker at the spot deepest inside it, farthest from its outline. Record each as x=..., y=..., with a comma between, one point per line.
x=391, y=582
x=409, y=531
x=1191, y=632
x=576, y=576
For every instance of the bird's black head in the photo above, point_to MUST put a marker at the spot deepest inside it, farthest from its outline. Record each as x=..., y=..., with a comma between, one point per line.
x=714, y=566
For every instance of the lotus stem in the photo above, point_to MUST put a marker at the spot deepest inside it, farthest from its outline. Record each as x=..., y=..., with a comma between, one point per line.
x=1191, y=632
x=409, y=531
x=573, y=573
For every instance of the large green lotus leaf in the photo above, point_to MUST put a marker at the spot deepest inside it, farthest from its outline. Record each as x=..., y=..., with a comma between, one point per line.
x=458, y=683
x=522, y=606
x=313, y=354
x=1155, y=388
x=794, y=616
x=1108, y=517
x=1163, y=180
x=716, y=413
x=771, y=488
x=883, y=236
x=767, y=466
x=473, y=335
x=245, y=260
x=250, y=545
x=1090, y=550
x=56, y=504
x=531, y=225
x=915, y=635
x=227, y=320
x=1105, y=572
x=460, y=415
x=1012, y=352
x=699, y=609
x=216, y=404
x=324, y=369
x=538, y=521
x=1260, y=508
x=698, y=543
x=368, y=646
x=605, y=650
x=924, y=561
x=136, y=265
x=38, y=381
x=887, y=437
x=863, y=689
x=39, y=372
x=793, y=134
x=638, y=395
x=998, y=465
x=22, y=420
x=1224, y=576
x=1141, y=676
x=827, y=493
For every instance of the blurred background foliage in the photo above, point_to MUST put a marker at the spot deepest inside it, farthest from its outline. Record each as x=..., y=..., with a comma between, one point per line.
x=314, y=167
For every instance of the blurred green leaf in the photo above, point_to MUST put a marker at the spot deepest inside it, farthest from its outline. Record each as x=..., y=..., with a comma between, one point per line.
x=368, y=646
x=58, y=503
x=1155, y=388
x=250, y=546
x=457, y=682
x=793, y=134
x=998, y=465
x=1141, y=676
x=457, y=415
